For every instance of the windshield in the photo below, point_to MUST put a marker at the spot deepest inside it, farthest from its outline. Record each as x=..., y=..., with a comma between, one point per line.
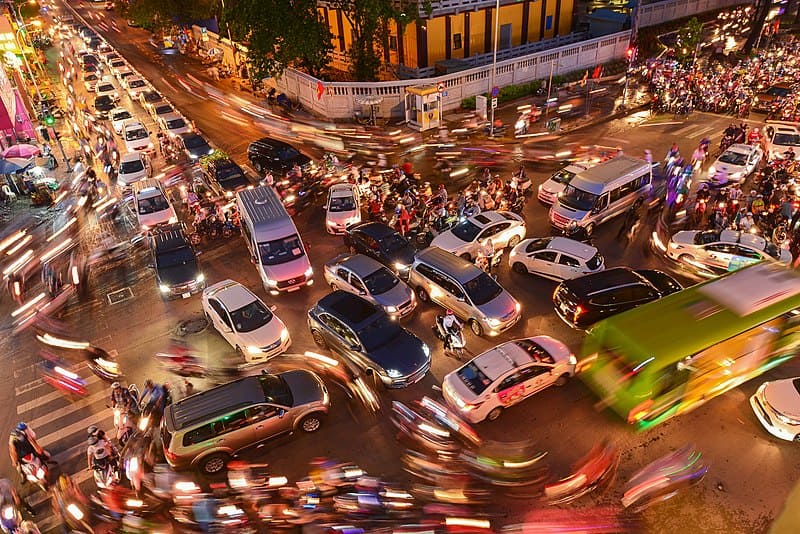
x=175, y=123
x=121, y=116
x=734, y=158
x=251, y=317
x=473, y=378
x=161, y=110
x=380, y=281
x=378, y=333
x=152, y=204
x=786, y=139
x=194, y=141
x=482, y=289
x=466, y=230
x=595, y=262
x=778, y=91
x=563, y=177
x=176, y=258
x=286, y=153
x=342, y=204
x=136, y=83
x=130, y=167
x=135, y=134
x=105, y=88
x=709, y=236
x=280, y=250
x=276, y=391
x=393, y=242
x=577, y=199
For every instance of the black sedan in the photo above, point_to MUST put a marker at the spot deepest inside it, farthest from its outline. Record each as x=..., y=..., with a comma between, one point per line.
x=382, y=242
x=194, y=146
x=102, y=106
x=368, y=340
x=226, y=176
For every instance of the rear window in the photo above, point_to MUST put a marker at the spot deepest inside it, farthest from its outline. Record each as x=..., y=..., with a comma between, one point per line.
x=595, y=262
x=473, y=378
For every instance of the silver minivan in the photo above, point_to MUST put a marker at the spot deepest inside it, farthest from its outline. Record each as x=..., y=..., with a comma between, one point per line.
x=456, y=284
x=602, y=192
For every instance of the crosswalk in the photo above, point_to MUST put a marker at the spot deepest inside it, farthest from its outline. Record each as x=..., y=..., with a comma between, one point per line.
x=694, y=131
x=60, y=424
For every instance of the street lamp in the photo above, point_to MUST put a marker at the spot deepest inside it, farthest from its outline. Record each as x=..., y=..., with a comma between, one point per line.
x=38, y=24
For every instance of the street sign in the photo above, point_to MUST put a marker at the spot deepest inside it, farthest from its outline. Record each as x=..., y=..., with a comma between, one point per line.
x=495, y=91
x=494, y=103
x=440, y=87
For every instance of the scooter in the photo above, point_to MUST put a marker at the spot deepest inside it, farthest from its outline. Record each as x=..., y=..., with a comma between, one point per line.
x=106, y=475
x=36, y=471
x=453, y=337
x=482, y=262
x=10, y=518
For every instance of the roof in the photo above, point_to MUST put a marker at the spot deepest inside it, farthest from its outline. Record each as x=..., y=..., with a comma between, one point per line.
x=217, y=401
x=350, y=308
x=376, y=230
x=741, y=148
x=166, y=240
x=131, y=156
x=131, y=123
x=501, y=359
x=342, y=190
x=459, y=268
x=572, y=247
x=590, y=283
x=147, y=183
x=262, y=206
x=745, y=238
x=234, y=295
x=360, y=264
x=595, y=178
x=486, y=218
x=269, y=141
x=170, y=117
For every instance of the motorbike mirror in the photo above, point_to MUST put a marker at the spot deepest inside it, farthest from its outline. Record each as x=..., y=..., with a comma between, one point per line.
x=368, y=372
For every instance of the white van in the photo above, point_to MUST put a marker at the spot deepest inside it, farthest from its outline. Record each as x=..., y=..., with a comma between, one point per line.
x=273, y=240
x=602, y=192
x=555, y=185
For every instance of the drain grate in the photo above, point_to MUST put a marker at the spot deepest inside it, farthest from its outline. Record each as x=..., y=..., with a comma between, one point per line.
x=195, y=325
x=120, y=295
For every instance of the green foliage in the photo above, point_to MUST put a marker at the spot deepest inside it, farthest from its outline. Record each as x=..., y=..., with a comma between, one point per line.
x=214, y=156
x=280, y=33
x=689, y=37
x=159, y=14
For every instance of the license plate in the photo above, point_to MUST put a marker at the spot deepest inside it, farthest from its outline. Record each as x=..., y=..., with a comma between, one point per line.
x=186, y=295
x=296, y=288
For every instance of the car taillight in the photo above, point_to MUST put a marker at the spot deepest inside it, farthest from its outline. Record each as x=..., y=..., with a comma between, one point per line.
x=169, y=455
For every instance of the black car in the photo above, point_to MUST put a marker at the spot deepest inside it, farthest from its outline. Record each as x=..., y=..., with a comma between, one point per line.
x=226, y=175
x=583, y=301
x=297, y=196
x=382, y=242
x=148, y=97
x=102, y=105
x=269, y=154
x=367, y=338
x=178, y=273
x=194, y=146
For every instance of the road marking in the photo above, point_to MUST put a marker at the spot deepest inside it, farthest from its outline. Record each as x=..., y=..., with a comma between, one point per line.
x=74, y=428
x=701, y=132
x=165, y=82
x=667, y=123
x=66, y=410
x=684, y=129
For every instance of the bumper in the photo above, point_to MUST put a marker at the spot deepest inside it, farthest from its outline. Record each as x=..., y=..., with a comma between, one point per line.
x=269, y=352
x=492, y=331
x=770, y=421
x=405, y=381
x=184, y=291
x=288, y=286
x=546, y=197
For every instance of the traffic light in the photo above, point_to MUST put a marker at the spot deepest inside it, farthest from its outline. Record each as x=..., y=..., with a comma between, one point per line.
x=49, y=120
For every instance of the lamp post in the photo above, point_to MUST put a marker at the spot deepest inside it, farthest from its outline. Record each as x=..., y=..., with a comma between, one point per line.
x=233, y=45
x=494, y=65
x=36, y=23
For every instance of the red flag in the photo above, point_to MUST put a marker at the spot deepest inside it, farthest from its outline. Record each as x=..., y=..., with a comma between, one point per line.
x=320, y=90
x=598, y=72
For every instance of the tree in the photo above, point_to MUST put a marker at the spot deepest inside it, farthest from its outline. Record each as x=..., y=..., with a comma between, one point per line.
x=689, y=37
x=760, y=17
x=158, y=14
x=280, y=33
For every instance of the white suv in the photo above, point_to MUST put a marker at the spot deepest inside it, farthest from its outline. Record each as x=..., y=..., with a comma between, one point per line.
x=152, y=206
x=136, y=136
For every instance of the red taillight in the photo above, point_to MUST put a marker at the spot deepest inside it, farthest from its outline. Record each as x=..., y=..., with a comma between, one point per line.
x=169, y=455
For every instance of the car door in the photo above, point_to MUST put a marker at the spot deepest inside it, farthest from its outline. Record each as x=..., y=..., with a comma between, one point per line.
x=719, y=255
x=331, y=332
x=357, y=285
x=544, y=262
x=744, y=256
x=495, y=233
x=269, y=421
x=222, y=322
x=536, y=378
x=236, y=433
x=343, y=279
x=511, y=389
x=567, y=267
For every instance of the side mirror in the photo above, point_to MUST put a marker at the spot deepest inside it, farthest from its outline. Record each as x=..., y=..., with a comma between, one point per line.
x=281, y=413
x=227, y=329
x=368, y=372
x=362, y=292
x=460, y=298
x=355, y=347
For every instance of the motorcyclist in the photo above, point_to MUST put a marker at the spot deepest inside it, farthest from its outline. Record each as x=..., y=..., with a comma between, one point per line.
x=153, y=397
x=450, y=323
x=673, y=152
x=486, y=251
x=21, y=443
x=788, y=155
x=122, y=398
x=441, y=194
x=101, y=459
x=9, y=495
x=97, y=440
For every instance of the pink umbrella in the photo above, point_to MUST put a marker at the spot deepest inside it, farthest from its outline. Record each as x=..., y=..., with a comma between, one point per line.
x=22, y=151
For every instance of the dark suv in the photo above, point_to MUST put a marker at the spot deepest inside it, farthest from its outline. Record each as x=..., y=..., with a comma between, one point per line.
x=383, y=243
x=368, y=339
x=269, y=154
x=583, y=301
x=178, y=273
x=226, y=176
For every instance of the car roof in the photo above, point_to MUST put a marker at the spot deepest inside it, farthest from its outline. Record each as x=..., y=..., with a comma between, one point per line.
x=342, y=190
x=131, y=156
x=360, y=264
x=231, y=294
x=118, y=110
x=603, y=280
x=132, y=123
x=269, y=141
x=501, y=359
x=206, y=405
x=374, y=229
x=188, y=135
x=167, y=240
x=572, y=247
x=171, y=117
x=459, y=268
x=350, y=308
x=486, y=218
x=741, y=148
x=743, y=238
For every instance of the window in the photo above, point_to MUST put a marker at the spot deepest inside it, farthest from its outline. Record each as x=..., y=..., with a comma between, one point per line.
x=747, y=253
x=234, y=421
x=510, y=380
x=220, y=311
x=201, y=434
x=356, y=283
x=602, y=203
x=260, y=413
x=546, y=255
x=722, y=248
x=568, y=261
x=548, y=22
x=392, y=42
x=616, y=194
x=456, y=41
x=532, y=371
x=343, y=274
x=425, y=271
x=494, y=230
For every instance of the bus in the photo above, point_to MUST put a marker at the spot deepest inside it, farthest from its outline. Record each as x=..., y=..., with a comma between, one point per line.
x=670, y=356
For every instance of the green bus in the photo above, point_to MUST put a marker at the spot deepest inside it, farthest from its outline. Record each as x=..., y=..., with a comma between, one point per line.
x=672, y=355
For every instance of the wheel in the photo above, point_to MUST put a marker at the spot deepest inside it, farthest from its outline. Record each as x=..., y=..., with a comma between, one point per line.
x=319, y=339
x=310, y=423
x=476, y=327
x=466, y=256
x=195, y=238
x=561, y=380
x=257, y=166
x=513, y=242
x=638, y=204
x=590, y=229
x=686, y=258
x=422, y=295
x=519, y=267
x=214, y=464
x=227, y=232
x=494, y=414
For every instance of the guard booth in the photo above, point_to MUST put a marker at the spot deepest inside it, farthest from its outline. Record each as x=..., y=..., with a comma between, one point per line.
x=423, y=107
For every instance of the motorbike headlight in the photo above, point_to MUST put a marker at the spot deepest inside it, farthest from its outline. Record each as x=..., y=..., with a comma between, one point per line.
x=394, y=373
x=144, y=422
x=164, y=288
x=74, y=511
x=8, y=513
x=284, y=335
x=173, y=220
x=426, y=350
x=200, y=278
x=308, y=272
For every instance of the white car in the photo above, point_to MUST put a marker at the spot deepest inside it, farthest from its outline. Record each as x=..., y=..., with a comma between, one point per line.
x=245, y=321
x=118, y=116
x=778, y=138
x=504, y=228
x=506, y=375
x=725, y=250
x=106, y=87
x=342, y=208
x=173, y=124
x=159, y=109
x=135, y=85
x=132, y=168
x=90, y=80
x=555, y=185
x=136, y=136
x=777, y=405
x=557, y=258
x=118, y=63
x=151, y=205
x=735, y=164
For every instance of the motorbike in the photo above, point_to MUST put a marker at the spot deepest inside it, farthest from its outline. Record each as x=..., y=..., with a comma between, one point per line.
x=125, y=424
x=71, y=506
x=36, y=471
x=453, y=337
x=10, y=518
x=486, y=264
x=63, y=379
x=422, y=431
x=106, y=474
x=102, y=364
x=182, y=364
x=593, y=471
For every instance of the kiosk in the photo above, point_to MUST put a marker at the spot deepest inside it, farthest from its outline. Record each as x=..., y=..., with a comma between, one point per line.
x=423, y=107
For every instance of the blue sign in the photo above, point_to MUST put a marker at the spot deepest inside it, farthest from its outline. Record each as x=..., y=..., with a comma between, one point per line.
x=495, y=91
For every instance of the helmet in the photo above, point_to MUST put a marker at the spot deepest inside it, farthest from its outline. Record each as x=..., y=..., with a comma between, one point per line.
x=21, y=427
x=450, y=312
x=148, y=383
x=115, y=385
x=100, y=454
x=91, y=440
x=92, y=430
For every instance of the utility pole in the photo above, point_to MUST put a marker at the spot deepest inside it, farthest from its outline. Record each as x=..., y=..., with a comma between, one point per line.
x=549, y=88
x=630, y=51
x=494, y=66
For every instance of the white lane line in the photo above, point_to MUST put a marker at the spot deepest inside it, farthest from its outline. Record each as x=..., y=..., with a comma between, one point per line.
x=165, y=82
x=54, y=415
x=74, y=428
x=684, y=130
x=701, y=132
x=50, y=397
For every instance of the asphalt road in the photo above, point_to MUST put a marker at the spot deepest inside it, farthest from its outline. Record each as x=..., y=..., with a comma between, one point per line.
x=751, y=472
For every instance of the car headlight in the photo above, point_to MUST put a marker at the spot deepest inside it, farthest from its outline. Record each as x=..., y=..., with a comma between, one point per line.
x=400, y=266
x=150, y=145
x=200, y=278
x=572, y=360
x=712, y=170
x=394, y=373
x=332, y=223
x=391, y=309
x=173, y=220
x=210, y=151
x=252, y=349
x=284, y=335
x=164, y=288
x=518, y=307
x=738, y=174
x=272, y=283
x=426, y=350
x=74, y=511
x=494, y=323
x=308, y=272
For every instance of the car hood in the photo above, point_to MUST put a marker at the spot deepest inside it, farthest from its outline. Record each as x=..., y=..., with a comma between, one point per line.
x=502, y=307
x=782, y=395
x=199, y=151
x=301, y=160
x=449, y=242
x=128, y=179
x=403, y=354
x=552, y=187
x=342, y=217
x=180, y=274
x=404, y=255
x=398, y=295
x=291, y=269
x=264, y=336
x=234, y=182
x=305, y=387
x=728, y=168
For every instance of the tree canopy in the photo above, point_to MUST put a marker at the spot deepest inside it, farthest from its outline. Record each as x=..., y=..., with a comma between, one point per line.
x=157, y=14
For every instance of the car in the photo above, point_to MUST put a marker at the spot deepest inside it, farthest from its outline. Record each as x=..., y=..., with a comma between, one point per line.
x=118, y=116
x=135, y=85
x=225, y=176
x=361, y=275
x=132, y=168
x=148, y=97
x=778, y=138
x=207, y=429
x=363, y=335
x=342, y=208
x=245, y=322
x=90, y=67
x=103, y=105
x=580, y=302
x=117, y=63
x=777, y=406
x=123, y=74
x=105, y=87
x=381, y=242
x=173, y=124
x=504, y=228
x=90, y=80
x=136, y=136
x=110, y=56
x=557, y=258
x=151, y=205
x=178, y=273
x=772, y=97
x=90, y=58
x=506, y=375
x=554, y=186
x=735, y=164
x=267, y=154
x=158, y=109
x=194, y=146
x=721, y=251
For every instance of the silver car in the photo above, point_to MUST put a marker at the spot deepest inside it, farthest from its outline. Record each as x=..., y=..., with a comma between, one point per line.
x=456, y=284
x=361, y=275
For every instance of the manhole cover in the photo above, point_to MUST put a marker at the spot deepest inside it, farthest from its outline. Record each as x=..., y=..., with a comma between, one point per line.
x=121, y=295
x=195, y=325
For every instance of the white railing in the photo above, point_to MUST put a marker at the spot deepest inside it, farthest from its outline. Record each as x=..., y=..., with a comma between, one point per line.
x=659, y=12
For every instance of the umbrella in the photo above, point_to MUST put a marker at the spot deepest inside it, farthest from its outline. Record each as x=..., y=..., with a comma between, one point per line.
x=10, y=167
x=369, y=100
x=21, y=151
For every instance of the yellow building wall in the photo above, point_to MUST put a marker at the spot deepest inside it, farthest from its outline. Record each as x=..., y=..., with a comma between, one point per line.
x=550, y=11
x=566, y=17
x=511, y=14
x=410, y=44
x=534, y=20
x=477, y=23
x=457, y=26
x=436, y=40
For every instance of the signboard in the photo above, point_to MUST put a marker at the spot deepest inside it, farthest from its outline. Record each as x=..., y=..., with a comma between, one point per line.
x=440, y=87
x=494, y=103
x=480, y=106
x=495, y=91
